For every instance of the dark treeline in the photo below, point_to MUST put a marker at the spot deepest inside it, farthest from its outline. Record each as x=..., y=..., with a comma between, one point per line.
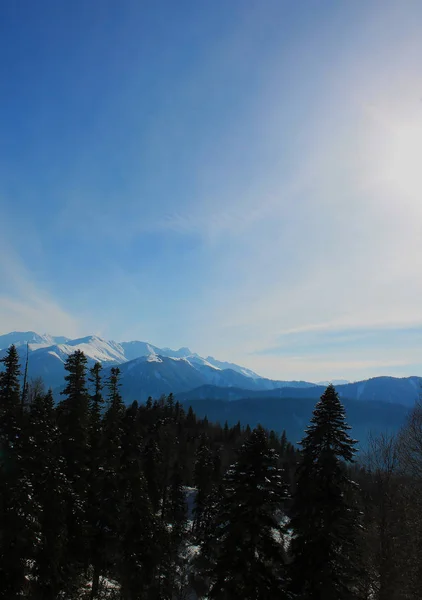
x=103, y=500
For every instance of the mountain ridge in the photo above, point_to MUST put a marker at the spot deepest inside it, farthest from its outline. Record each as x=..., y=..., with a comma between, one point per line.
x=147, y=370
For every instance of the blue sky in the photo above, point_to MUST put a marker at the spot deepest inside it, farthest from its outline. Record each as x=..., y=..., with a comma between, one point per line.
x=243, y=178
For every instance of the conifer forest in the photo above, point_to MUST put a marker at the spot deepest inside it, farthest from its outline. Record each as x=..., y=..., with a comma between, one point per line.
x=100, y=499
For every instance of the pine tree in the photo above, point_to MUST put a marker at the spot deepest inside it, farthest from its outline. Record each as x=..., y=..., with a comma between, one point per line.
x=141, y=533
x=175, y=531
x=96, y=477
x=95, y=413
x=167, y=442
x=73, y=413
x=45, y=467
x=73, y=420
x=152, y=468
x=177, y=508
x=111, y=500
x=246, y=559
x=325, y=519
x=15, y=489
x=203, y=481
x=10, y=404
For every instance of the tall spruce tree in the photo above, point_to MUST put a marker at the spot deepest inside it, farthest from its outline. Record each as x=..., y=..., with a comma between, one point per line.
x=46, y=471
x=10, y=404
x=111, y=497
x=96, y=403
x=152, y=467
x=73, y=420
x=73, y=414
x=15, y=490
x=175, y=533
x=325, y=519
x=203, y=481
x=141, y=533
x=96, y=477
x=245, y=557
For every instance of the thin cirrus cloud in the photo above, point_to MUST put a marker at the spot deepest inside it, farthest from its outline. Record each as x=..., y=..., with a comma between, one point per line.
x=352, y=250
x=24, y=306
x=267, y=211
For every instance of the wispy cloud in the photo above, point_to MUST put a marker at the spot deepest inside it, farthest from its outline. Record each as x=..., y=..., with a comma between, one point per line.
x=348, y=252
x=268, y=199
x=26, y=306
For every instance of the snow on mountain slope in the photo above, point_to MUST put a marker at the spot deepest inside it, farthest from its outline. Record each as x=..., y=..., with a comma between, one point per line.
x=181, y=353
x=195, y=359
x=136, y=349
x=48, y=355
x=105, y=351
x=96, y=348
x=228, y=365
x=150, y=370
x=35, y=340
x=155, y=375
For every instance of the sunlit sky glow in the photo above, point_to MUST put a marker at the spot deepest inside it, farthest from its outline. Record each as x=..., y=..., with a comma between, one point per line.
x=243, y=178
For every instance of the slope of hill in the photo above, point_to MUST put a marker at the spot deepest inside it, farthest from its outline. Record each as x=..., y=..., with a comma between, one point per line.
x=393, y=390
x=293, y=415
x=401, y=390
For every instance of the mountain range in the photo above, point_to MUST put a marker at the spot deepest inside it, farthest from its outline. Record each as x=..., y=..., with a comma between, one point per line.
x=146, y=370
x=221, y=390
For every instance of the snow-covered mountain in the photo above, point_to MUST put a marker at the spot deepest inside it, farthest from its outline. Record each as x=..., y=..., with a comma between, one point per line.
x=35, y=340
x=147, y=370
x=154, y=375
x=177, y=370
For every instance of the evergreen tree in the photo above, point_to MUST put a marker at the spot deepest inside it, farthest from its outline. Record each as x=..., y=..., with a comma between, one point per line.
x=246, y=559
x=113, y=423
x=152, y=468
x=111, y=498
x=15, y=489
x=73, y=413
x=95, y=412
x=96, y=477
x=73, y=420
x=167, y=442
x=177, y=509
x=203, y=481
x=140, y=531
x=325, y=519
x=45, y=467
x=10, y=405
x=175, y=524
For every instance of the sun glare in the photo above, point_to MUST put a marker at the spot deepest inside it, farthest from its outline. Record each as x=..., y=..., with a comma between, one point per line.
x=394, y=154
x=404, y=159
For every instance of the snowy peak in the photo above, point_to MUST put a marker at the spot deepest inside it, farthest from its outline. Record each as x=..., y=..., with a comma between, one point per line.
x=98, y=349
x=109, y=352
x=48, y=355
x=227, y=365
x=35, y=340
x=149, y=370
x=135, y=349
x=181, y=353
